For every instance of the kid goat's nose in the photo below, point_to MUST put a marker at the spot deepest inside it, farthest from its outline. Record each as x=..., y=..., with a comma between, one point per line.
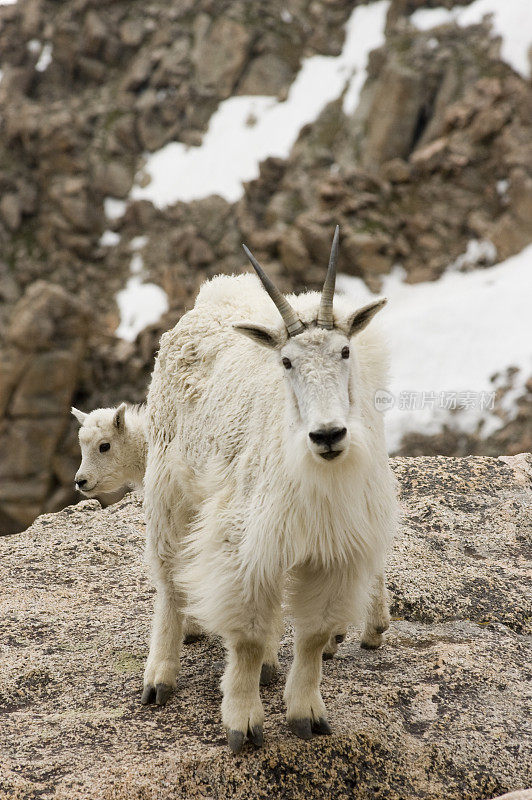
x=328, y=436
x=81, y=483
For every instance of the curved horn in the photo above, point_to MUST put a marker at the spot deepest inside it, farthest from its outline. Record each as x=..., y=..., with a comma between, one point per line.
x=290, y=318
x=325, y=313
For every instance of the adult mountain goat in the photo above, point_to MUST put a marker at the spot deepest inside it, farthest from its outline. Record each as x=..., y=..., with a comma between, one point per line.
x=267, y=476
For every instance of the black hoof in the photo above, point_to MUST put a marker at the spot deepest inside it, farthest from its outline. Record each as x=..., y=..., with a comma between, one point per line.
x=235, y=740
x=340, y=638
x=367, y=646
x=148, y=695
x=321, y=727
x=164, y=692
x=301, y=728
x=268, y=673
x=256, y=735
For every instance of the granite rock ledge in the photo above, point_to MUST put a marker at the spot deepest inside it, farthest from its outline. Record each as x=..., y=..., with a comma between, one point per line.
x=439, y=712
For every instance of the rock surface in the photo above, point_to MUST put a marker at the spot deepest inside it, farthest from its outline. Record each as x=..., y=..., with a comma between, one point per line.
x=39, y=371
x=420, y=169
x=438, y=712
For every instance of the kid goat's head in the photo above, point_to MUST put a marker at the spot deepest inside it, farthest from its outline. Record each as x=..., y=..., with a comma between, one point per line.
x=104, y=452
x=317, y=361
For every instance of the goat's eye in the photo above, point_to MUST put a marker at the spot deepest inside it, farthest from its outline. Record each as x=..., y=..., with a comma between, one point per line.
x=287, y=364
x=345, y=352
x=104, y=447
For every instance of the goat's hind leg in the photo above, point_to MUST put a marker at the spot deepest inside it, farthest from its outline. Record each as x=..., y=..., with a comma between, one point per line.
x=192, y=630
x=270, y=663
x=166, y=519
x=378, y=618
x=331, y=648
x=162, y=666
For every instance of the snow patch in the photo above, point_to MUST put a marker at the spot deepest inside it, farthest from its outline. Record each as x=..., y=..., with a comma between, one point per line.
x=45, y=54
x=232, y=148
x=511, y=20
x=140, y=304
x=45, y=59
x=478, y=251
x=113, y=208
x=109, y=239
x=138, y=242
x=448, y=338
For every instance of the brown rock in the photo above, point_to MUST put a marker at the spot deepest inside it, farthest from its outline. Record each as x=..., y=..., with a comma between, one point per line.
x=46, y=316
x=293, y=252
x=267, y=74
x=94, y=33
x=431, y=155
x=12, y=366
x=396, y=171
x=11, y=211
x=520, y=197
x=47, y=385
x=27, y=446
x=113, y=179
x=199, y=252
x=132, y=32
x=317, y=239
x=508, y=236
x=220, y=54
x=393, y=115
x=92, y=68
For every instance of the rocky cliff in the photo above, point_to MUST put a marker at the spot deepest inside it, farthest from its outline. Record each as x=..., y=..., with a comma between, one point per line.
x=437, y=153
x=439, y=712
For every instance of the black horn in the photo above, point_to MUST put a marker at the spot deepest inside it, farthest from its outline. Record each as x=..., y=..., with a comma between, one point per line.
x=325, y=313
x=290, y=318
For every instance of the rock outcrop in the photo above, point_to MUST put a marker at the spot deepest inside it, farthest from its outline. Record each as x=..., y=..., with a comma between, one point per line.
x=438, y=712
x=417, y=172
x=39, y=372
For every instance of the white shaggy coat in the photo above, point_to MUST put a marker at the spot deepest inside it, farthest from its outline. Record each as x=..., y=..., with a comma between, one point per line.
x=240, y=511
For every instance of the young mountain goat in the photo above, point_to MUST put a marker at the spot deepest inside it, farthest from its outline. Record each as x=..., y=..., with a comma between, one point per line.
x=114, y=446
x=113, y=449
x=267, y=476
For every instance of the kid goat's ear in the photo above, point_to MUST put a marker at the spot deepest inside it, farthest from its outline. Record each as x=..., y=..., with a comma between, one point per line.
x=80, y=415
x=358, y=321
x=119, y=417
x=267, y=337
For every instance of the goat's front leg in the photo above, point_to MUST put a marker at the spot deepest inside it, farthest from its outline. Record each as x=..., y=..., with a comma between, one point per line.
x=242, y=711
x=378, y=618
x=305, y=709
x=321, y=604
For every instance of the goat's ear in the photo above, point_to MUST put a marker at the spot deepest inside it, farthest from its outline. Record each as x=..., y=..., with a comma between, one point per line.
x=119, y=417
x=357, y=322
x=264, y=336
x=80, y=415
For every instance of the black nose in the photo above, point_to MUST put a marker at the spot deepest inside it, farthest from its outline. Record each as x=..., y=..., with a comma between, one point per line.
x=328, y=437
x=82, y=483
